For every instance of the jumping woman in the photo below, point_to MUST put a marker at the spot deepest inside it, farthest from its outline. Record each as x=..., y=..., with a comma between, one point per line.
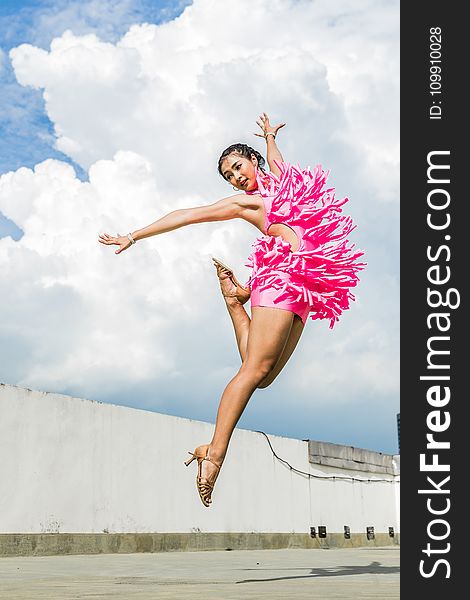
x=302, y=264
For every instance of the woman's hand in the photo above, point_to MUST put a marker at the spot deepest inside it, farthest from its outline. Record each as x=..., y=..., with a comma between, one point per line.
x=121, y=240
x=266, y=126
x=272, y=151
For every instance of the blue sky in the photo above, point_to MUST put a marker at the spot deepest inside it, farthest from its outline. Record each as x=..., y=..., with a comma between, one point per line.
x=26, y=133
x=175, y=89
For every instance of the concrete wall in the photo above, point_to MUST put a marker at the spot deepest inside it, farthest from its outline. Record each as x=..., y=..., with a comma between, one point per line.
x=74, y=465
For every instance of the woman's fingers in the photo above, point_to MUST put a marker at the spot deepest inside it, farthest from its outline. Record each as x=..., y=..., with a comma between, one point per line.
x=266, y=126
x=105, y=238
x=120, y=241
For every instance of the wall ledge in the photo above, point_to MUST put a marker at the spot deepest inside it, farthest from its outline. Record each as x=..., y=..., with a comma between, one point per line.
x=50, y=544
x=349, y=457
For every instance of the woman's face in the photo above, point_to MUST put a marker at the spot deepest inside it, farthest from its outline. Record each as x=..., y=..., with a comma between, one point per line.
x=240, y=171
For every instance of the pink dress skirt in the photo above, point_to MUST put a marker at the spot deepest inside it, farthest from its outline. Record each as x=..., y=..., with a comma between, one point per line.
x=317, y=278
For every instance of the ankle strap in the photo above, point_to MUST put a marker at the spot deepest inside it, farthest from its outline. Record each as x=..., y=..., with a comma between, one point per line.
x=212, y=461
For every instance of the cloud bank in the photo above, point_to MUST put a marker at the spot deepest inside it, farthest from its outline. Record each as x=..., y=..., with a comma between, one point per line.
x=147, y=117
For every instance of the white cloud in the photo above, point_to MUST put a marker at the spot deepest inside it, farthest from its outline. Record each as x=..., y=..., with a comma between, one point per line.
x=148, y=116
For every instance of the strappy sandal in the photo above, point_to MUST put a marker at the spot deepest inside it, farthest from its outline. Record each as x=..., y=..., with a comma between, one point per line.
x=242, y=294
x=203, y=486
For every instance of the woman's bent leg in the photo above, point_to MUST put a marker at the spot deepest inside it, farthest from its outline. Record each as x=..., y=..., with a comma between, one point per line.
x=294, y=337
x=267, y=338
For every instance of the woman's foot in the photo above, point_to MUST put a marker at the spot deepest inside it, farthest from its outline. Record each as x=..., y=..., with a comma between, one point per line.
x=231, y=289
x=208, y=467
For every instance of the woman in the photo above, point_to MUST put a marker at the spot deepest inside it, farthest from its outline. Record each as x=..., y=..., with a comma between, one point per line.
x=302, y=264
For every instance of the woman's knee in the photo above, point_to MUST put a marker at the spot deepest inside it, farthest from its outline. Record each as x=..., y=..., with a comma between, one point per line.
x=257, y=372
x=270, y=377
x=266, y=382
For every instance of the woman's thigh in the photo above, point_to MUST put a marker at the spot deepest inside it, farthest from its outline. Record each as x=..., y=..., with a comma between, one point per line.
x=294, y=336
x=269, y=333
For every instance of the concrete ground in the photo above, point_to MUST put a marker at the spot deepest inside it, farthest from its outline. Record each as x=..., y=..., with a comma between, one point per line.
x=349, y=574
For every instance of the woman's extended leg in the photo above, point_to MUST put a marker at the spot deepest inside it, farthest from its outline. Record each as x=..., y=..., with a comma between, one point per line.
x=241, y=324
x=240, y=319
x=269, y=332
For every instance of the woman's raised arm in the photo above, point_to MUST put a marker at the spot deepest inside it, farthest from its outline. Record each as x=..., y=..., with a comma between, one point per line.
x=223, y=210
x=272, y=151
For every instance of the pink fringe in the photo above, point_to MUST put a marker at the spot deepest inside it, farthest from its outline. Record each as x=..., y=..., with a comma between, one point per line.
x=322, y=273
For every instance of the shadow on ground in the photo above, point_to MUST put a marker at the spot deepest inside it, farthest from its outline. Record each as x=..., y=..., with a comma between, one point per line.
x=374, y=568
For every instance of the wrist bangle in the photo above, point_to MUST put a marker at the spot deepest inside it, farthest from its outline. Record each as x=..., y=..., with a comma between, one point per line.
x=269, y=133
x=130, y=238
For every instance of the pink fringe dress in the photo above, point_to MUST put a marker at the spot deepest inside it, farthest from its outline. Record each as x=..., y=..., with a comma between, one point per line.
x=316, y=279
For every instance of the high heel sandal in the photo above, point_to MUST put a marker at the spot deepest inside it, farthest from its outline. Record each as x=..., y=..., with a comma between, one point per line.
x=203, y=486
x=242, y=294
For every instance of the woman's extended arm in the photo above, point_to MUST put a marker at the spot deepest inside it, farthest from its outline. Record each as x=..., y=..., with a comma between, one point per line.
x=269, y=134
x=223, y=210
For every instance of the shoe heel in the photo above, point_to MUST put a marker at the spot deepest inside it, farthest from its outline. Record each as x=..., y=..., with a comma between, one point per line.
x=189, y=461
x=220, y=264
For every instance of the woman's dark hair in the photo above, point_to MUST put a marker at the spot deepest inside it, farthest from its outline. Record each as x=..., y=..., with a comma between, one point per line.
x=243, y=150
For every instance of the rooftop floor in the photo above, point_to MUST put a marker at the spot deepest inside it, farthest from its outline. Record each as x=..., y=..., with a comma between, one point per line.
x=349, y=574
